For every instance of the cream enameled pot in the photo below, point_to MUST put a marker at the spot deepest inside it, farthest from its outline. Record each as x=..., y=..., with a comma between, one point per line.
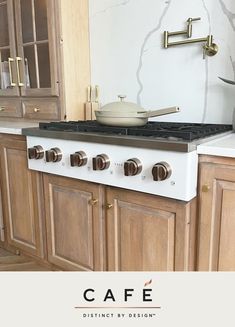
x=128, y=114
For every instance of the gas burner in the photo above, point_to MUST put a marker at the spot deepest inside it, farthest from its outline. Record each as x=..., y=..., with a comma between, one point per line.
x=166, y=130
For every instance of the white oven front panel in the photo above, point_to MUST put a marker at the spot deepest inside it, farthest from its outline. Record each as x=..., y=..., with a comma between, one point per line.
x=180, y=185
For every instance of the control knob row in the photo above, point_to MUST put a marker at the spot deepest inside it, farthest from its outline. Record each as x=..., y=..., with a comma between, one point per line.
x=132, y=167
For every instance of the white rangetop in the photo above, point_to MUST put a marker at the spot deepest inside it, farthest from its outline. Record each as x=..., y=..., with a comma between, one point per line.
x=15, y=127
x=223, y=147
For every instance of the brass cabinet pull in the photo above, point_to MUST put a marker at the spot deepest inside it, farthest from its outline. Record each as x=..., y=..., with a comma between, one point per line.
x=93, y=202
x=109, y=206
x=36, y=110
x=2, y=108
x=10, y=60
x=206, y=188
x=18, y=59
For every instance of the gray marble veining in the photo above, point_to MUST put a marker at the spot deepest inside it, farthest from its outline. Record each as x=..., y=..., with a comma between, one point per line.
x=206, y=68
x=233, y=66
x=230, y=15
x=142, y=50
x=134, y=51
x=122, y=3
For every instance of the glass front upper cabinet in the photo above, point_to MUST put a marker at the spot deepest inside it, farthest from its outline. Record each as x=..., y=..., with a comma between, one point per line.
x=28, y=60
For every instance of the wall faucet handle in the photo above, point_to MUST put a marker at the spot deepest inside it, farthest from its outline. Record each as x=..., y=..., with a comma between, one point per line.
x=193, y=19
x=189, y=27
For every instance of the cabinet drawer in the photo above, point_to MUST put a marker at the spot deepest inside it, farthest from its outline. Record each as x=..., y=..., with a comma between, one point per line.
x=40, y=109
x=10, y=108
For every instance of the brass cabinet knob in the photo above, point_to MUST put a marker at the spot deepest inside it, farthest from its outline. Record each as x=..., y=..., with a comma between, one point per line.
x=93, y=202
x=109, y=206
x=206, y=188
x=36, y=109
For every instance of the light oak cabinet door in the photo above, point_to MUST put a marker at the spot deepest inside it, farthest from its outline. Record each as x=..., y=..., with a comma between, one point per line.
x=217, y=217
x=149, y=233
x=74, y=223
x=22, y=197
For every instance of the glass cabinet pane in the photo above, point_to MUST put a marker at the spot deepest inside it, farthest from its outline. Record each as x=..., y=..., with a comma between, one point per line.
x=27, y=20
x=44, y=65
x=30, y=67
x=33, y=47
x=4, y=70
x=4, y=33
x=40, y=8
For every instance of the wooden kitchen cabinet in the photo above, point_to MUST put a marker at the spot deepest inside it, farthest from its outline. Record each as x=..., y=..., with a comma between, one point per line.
x=44, y=59
x=216, y=247
x=22, y=200
x=74, y=221
x=149, y=233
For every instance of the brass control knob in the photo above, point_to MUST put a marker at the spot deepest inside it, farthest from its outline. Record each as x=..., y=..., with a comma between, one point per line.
x=132, y=167
x=36, y=152
x=53, y=155
x=161, y=171
x=78, y=159
x=101, y=162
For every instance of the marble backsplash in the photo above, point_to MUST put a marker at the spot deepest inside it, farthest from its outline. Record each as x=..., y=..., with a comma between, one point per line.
x=127, y=56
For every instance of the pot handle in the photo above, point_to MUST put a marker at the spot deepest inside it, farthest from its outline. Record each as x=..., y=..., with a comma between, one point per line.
x=161, y=112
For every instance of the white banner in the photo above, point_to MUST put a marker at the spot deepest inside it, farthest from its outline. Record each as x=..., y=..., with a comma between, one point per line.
x=62, y=299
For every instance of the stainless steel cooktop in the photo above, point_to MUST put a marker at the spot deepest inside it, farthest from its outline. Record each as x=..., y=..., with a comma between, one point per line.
x=182, y=137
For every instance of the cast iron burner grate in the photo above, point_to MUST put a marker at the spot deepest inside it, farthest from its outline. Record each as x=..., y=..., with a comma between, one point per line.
x=167, y=130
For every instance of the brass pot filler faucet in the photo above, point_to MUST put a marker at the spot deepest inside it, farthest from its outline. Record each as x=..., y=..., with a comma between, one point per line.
x=209, y=48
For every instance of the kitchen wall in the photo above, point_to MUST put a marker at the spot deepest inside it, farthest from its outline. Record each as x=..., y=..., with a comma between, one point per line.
x=127, y=56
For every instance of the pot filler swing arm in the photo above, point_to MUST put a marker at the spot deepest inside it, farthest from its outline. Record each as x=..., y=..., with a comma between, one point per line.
x=209, y=47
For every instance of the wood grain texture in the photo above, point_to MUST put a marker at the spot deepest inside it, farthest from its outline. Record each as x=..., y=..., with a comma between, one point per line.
x=216, y=248
x=148, y=233
x=12, y=262
x=21, y=191
x=74, y=226
x=10, y=107
x=69, y=56
x=39, y=109
x=74, y=56
x=2, y=227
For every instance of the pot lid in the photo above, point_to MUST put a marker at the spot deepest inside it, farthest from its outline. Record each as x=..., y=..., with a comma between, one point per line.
x=122, y=106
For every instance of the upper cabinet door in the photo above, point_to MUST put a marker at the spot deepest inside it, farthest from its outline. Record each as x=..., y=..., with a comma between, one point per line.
x=8, y=76
x=36, y=60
